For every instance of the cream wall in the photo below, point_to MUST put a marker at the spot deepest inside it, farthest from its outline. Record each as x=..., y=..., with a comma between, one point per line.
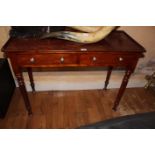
x=145, y=35
x=4, y=35
x=93, y=79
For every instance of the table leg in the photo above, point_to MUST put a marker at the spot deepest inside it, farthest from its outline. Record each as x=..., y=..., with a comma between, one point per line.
x=108, y=77
x=31, y=78
x=122, y=89
x=24, y=92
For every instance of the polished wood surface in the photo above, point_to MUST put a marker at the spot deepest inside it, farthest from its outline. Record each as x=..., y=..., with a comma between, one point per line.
x=72, y=109
x=116, y=50
x=117, y=41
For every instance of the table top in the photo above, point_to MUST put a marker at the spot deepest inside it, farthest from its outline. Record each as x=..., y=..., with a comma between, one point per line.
x=116, y=41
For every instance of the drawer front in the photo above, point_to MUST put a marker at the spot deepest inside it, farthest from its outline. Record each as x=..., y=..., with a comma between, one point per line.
x=105, y=59
x=47, y=59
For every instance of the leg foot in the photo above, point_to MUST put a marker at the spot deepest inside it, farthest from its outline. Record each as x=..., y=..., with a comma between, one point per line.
x=114, y=108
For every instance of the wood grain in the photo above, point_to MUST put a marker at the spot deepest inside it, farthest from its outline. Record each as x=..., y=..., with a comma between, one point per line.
x=71, y=109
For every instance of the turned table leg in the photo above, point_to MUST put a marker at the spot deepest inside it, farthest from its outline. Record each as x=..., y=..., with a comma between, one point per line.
x=31, y=78
x=23, y=91
x=108, y=77
x=122, y=89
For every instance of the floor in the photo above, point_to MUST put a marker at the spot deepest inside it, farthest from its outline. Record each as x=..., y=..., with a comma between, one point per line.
x=72, y=109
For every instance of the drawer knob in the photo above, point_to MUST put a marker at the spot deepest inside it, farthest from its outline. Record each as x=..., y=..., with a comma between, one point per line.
x=94, y=58
x=120, y=59
x=32, y=60
x=62, y=59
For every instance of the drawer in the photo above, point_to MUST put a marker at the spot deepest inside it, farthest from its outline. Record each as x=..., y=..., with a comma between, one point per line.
x=105, y=59
x=47, y=59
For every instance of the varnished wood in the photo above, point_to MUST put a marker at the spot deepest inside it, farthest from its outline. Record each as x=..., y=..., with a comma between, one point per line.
x=30, y=74
x=72, y=109
x=122, y=88
x=117, y=41
x=23, y=92
x=116, y=50
x=108, y=77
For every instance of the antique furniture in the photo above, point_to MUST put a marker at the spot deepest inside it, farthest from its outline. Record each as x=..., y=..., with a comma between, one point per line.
x=7, y=86
x=116, y=50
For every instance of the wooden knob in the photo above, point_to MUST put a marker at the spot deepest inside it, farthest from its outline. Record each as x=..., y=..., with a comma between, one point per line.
x=120, y=59
x=32, y=60
x=62, y=59
x=94, y=58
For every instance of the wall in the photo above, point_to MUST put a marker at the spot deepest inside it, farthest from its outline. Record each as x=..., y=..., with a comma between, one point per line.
x=145, y=35
x=76, y=80
x=4, y=35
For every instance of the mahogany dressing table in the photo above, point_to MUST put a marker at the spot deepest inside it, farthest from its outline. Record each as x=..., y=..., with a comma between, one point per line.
x=116, y=50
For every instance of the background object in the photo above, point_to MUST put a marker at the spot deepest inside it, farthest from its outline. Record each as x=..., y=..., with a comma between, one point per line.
x=7, y=87
x=137, y=121
x=32, y=31
x=150, y=81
